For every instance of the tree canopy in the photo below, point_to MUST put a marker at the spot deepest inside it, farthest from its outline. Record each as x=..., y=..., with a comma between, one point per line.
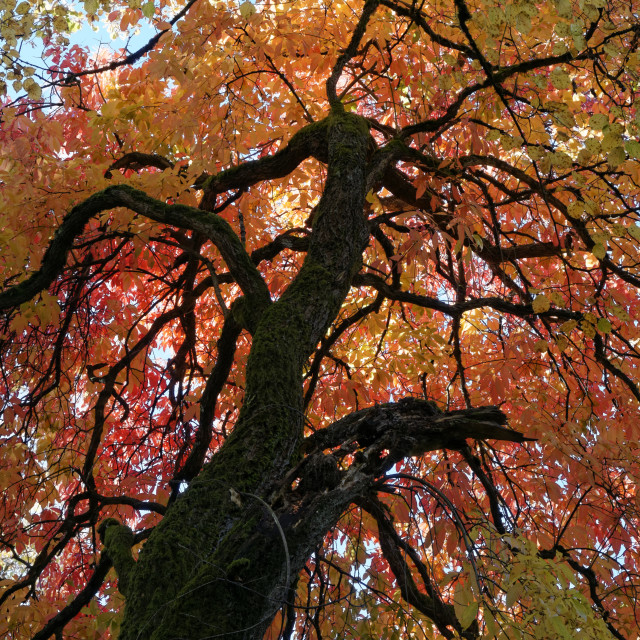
x=320, y=319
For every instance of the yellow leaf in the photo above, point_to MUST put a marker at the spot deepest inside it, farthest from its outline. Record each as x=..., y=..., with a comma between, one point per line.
x=588, y=329
x=611, y=141
x=557, y=299
x=541, y=304
x=620, y=313
x=535, y=152
x=575, y=209
x=468, y=614
x=592, y=145
x=247, y=9
x=561, y=160
x=568, y=326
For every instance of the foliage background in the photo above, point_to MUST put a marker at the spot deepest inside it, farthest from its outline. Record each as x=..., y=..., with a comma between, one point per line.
x=502, y=269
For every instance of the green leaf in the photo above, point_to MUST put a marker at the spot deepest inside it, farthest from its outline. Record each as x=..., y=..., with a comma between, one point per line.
x=148, y=10
x=469, y=614
x=599, y=121
x=560, y=79
x=616, y=157
x=91, y=6
x=604, y=326
x=513, y=593
x=632, y=147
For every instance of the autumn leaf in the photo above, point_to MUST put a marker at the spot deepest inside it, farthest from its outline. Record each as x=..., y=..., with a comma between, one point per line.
x=323, y=313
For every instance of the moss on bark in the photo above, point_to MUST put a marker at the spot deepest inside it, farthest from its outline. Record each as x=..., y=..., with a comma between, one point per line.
x=118, y=540
x=213, y=566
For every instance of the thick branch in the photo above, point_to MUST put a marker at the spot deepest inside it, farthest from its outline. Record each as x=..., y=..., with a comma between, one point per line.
x=118, y=540
x=309, y=141
x=212, y=226
x=136, y=160
x=412, y=427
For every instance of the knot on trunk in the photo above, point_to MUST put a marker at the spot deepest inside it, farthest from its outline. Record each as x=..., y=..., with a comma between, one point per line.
x=118, y=540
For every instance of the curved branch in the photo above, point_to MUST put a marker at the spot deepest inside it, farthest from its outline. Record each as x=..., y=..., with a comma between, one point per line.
x=118, y=540
x=394, y=550
x=58, y=622
x=592, y=581
x=54, y=626
x=611, y=368
x=135, y=503
x=284, y=241
x=310, y=141
x=213, y=227
x=330, y=340
x=136, y=160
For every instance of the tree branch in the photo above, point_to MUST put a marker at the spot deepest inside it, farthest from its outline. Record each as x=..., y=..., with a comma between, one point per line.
x=136, y=160
x=369, y=7
x=309, y=141
x=412, y=427
x=212, y=226
x=394, y=551
x=132, y=58
x=58, y=622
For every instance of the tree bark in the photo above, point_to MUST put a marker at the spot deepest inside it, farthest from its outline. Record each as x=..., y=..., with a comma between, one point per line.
x=216, y=563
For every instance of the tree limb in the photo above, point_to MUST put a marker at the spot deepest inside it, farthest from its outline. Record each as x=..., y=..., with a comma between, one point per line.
x=212, y=226
x=412, y=427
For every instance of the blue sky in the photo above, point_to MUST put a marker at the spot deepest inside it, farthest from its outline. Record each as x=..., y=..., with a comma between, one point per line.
x=95, y=39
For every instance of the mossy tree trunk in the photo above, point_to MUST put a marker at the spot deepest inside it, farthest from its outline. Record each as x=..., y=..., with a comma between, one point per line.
x=224, y=559
x=216, y=563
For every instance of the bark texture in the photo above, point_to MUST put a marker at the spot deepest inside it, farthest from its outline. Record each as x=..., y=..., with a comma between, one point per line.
x=215, y=563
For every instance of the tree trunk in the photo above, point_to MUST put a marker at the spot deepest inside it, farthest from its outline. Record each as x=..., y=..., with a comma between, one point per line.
x=216, y=564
